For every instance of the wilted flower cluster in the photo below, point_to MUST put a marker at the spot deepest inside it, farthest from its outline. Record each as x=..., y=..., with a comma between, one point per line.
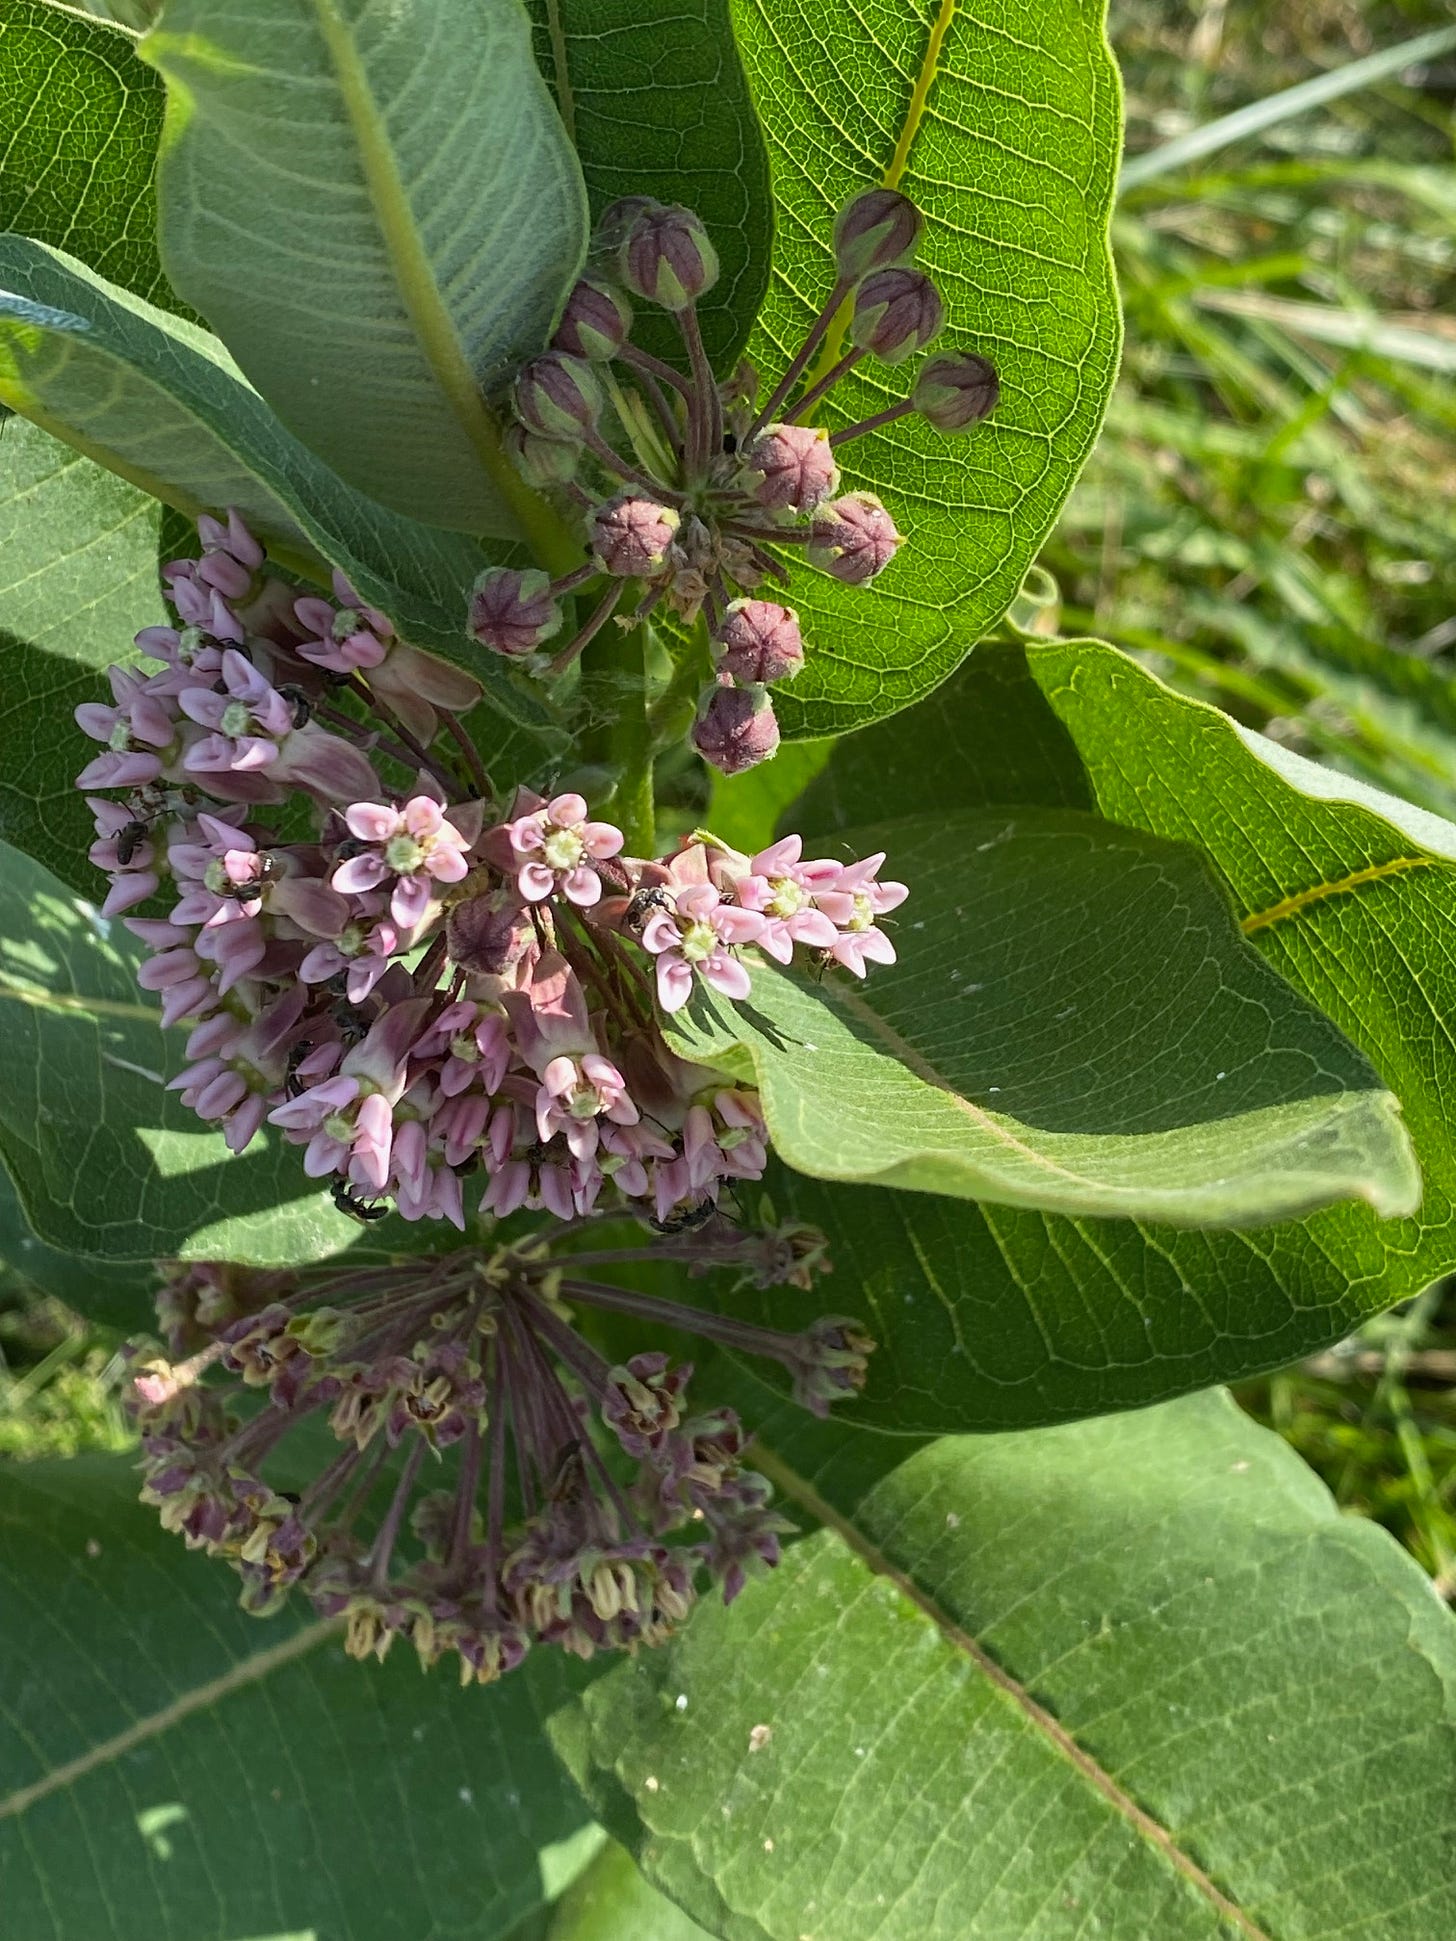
x=445, y=1002
x=498, y=1482
x=692, y=492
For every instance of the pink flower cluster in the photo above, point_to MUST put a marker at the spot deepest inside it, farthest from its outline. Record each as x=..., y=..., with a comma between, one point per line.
x=443, y=1004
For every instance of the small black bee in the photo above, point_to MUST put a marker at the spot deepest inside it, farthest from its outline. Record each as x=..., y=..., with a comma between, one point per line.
x=352, y=1022
x=299, y=702
x=129, y=840
x=686, y=1219
x=643, y=903
x=730, y=443
x=364, y=1211
x=349, y=848
x=250, y=891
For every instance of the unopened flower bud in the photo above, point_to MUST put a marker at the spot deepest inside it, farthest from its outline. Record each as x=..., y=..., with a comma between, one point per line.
x=853, y=538
x=615, y=221
x=594, y=323
x=735, y=728
x=487, y=934
x=630, y=535
x=794, y=467
x=667, y=258
x=512, y=610
x=540, y=461
x=896, y=313
x=955, y=390
x=558, y=396
x=878, y=229
x=758, y=641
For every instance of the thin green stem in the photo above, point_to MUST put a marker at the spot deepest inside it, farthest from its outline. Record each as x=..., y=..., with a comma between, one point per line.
x=615, y=665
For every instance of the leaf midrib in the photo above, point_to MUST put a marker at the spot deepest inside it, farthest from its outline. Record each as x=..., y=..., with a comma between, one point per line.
x=247, y=1671
x=1143, y=1823
x=420, y=294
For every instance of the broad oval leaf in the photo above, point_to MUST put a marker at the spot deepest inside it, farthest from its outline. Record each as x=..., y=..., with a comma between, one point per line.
x=379, y=211
x=1075, y=1025
x=992, y=1317
x=160, y=402
x=653, y=97
x=611, y=1900
x=1029, y=1688
x=84, y=117
x=171, y=1768
x=1003, y=123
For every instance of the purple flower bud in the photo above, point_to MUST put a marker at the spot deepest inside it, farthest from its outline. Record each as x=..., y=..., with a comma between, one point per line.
x=794, y=466
x=594, y=323
x=735, y=728
x=540, y=461
x=667, y=257
x=630, y=535
x=853, y=538
x=488, y=933
x=955, y=390
x=512, y=610
x=878, y=229
x=896, y=313
x=557, y=396
x=615, y=221
x=758, y=641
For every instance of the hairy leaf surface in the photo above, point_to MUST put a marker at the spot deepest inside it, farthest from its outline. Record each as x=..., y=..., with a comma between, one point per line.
x=1133, y=1677
x=377, y=207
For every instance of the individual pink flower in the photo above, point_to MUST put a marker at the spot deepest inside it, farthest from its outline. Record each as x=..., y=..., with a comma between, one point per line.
x=473, y=1043
x=346, y=1124
x=696, y=937
x=414, y=847
x=553, y=847
x=853, y=904
x=139, y=732
x=783, y=888
x=246, y=721
x=361, y=953
x=213, y=863
x=358, y=637
x=118, y=833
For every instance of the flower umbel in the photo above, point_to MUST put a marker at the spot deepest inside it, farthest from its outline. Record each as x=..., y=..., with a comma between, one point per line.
x=570, y=1501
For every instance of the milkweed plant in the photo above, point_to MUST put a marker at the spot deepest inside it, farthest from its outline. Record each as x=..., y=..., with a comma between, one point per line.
x=679, y=1102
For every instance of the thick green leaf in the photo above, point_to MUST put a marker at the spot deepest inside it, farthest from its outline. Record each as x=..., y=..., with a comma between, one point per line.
x=160, y=402
x=992, y=1317
x=378, y=209
x=78, y=578
x=1003, y=123
x=612, y=1901
x=1076, y=1025
x=172, y=1770
x=80, y=149
x=652, y=93
x=113, y=1291
x=105, y=1160
x=1133, y=1678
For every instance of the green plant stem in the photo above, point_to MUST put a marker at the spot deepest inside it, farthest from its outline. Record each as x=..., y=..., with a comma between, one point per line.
x=615, y=664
